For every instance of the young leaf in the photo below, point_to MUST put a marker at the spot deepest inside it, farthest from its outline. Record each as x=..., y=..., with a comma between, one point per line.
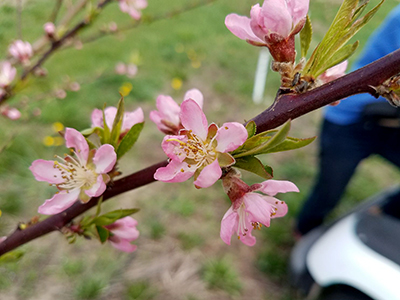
x=113, y=216
x=265, y=143
x=254, y=165
x=102, y=233
x=251, y=129
x=290, y=144
x=12, y=256
x=117, y=124
x=341, y=55
x=129, y=139
x=305, y=37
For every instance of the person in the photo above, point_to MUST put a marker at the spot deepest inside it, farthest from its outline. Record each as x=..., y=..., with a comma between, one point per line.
x=358, y=127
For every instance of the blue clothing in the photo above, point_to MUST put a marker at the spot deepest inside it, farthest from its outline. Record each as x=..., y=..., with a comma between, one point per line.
x=383, y=41
x=348, y=137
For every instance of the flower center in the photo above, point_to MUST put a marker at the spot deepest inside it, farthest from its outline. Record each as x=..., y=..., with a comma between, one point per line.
x=242, y=226
x=197, y=151
x=76, y=173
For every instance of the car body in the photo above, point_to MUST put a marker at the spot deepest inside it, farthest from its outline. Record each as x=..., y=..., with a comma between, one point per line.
x=356, y=257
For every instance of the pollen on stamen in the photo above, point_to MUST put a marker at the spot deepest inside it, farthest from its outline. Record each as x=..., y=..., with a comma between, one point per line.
x=182, y=170
x=226, y=127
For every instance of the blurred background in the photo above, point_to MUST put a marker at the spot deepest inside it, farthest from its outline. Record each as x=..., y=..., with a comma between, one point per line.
x=180, y=254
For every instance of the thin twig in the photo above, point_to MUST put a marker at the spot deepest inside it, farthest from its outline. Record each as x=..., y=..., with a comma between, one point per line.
x=284, y=108
x=56, y=9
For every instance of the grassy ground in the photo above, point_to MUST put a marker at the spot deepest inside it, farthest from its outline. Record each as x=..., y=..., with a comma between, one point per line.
x=180, y=254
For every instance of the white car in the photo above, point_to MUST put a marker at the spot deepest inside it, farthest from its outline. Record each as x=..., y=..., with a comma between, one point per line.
x=356, y=257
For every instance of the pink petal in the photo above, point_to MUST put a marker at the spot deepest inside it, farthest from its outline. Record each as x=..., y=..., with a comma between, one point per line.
x=97, y=118
x=259, y=209
x=125, y=228
x=280, y=207
x=132, y=118
x=60, y=202
x=121, y=244
x=298, y=9
x=274, y=17
x=74, y=139
x=98, y=188
x=195, y=95
x=105, y=159
x=272, y=187
x=240, y=26
x=171, y=146
x=169, y=110
x=209, y=175
x=230, y=136
x=44, y=170
x=110, y=113
x=175, y=171
x=228, y=224
x=248, y=239
x=193, y=118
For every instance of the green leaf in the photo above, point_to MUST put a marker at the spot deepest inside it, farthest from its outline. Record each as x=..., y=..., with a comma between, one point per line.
x=264, y=142
x=12, y=256
x=89, y=131
x=129, y=139
x=305, y=37
x=117, y=124
x=254, y=165
x=341, y=55
x=98, y=209
x=113, y=216
x=102, y=233
x=291, y=144
x=251, y=129
x=345, y=25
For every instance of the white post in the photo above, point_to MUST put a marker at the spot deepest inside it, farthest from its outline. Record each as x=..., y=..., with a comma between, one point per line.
x=261, y=75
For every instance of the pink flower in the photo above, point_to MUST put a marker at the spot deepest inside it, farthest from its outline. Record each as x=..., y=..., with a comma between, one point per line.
x=129, y=119
x=333, y=73
x=130, y=70
x=273, y=25
x=7, y=74
x=133, y=7
x=50, y=29
x=167, y=117
x=123, y=232
x=82, y=177
x=10, y=112
x=21, y=51
x=251, y=210
x=199, y=150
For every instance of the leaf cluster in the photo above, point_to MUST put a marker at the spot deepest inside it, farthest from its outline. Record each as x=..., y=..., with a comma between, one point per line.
x=270, y=141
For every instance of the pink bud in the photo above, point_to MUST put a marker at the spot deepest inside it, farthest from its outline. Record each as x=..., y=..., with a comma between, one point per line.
x=10, y=112
x=21, y=51
x=120, y=68
x=50, y=29
x=60, y=94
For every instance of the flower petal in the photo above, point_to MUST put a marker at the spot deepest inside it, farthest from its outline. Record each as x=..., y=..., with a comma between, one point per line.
x=122, y=244
x=230, y=136
x=195, y=95
x=275, y=18
x=280, y=207
x=175, y=171
x=209, y=175
x=97, y=189
x=105, y=159
x=74, y=139
x=125, y=228
x=193, y=118
x=168, y=109
x=97, y=118
x=110, y=113
x=273, y=187
x=132, y=118
x=298, y=9
x=59, y=202
x=240, y=26
x=228, y=224
x=44, y=170
x=259, y=209
x=171, y=147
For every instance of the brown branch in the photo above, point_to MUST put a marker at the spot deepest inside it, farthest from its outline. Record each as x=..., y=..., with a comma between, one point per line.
x=285, y=107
